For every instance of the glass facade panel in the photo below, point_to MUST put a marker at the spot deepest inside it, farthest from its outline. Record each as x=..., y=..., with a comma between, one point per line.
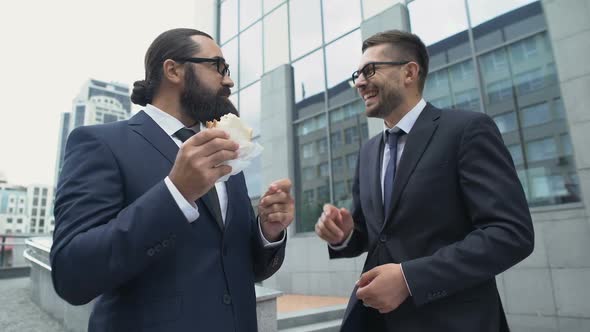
x=374, y=7
x=306, y=26
x=250, y=55
x=271, y=4
x=535, y=115
x=229, y=17
x=481, y=11
x=276, y=41
x=250, y=107
x=230, y=53
x=435, y=20
x=340, y=16
x=309, y=84
x=250, y=11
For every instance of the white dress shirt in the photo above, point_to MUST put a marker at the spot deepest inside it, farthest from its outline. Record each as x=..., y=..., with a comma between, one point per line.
x=406, y=123
x=171, y=125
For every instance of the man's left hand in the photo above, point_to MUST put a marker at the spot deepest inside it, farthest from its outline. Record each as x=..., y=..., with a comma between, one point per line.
x=276, y=209
x=383, y=288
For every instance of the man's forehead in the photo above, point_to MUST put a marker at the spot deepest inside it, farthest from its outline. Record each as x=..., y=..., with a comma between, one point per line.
x=208, y=48
x=381, y=52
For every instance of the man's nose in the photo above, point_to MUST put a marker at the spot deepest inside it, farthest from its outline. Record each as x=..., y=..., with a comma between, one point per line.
x=227, y=81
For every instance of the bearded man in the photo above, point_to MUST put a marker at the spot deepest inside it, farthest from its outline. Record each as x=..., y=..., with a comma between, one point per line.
x=141, y=223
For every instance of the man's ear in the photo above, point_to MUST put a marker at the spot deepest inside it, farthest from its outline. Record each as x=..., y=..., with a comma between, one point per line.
x=173, y=71
x=411, y=72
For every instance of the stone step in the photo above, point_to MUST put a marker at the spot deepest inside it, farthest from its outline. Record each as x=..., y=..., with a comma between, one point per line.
x=310, y=316
x=329, y=326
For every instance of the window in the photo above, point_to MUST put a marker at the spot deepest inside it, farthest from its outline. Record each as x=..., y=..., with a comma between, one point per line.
x=9, y=220
x=322, y=146
x=351, y=135
x=36, y=191
x=250, y=55
x=307, y=150
x=308, y=196
x=542, y=149
x=516, y=153
x=506, y=122
x=340, y=16
x=337, y=165
x=276, y=39
x=535, y=115
x=308, y=173
x=34, y=211
x=340, y=191
x=306, y=27
x=8, y=231
x=351, y=161
x=529, y=81
x=324, y=169
x=44, y=201
x=566, y=144
x=336, y=139
x=41, y=222
x=35, y=201
x=499, y=91
x=19, y=221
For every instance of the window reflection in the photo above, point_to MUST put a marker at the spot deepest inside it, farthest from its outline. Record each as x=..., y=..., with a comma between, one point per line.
x=271, y=4
x=340, y=16
x=306, y=26
x=374, y=7
x=309, y=84
x=250, y=55
x=276, y=42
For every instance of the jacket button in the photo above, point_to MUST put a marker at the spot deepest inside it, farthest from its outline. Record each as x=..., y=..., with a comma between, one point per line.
x=383, y=238
x=150, y=252
x=158, y=247
x=226, y=299
x=165, y=243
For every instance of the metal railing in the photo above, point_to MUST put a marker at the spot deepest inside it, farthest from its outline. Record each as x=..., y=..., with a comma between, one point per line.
x=12, y=258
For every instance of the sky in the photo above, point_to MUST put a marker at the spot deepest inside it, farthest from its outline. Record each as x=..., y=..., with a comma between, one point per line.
x=49, y=49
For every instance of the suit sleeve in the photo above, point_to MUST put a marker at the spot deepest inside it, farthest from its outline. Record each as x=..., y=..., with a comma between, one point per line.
x=267, y=260
x=99, y=244
x=502, y=228
x=358, y=243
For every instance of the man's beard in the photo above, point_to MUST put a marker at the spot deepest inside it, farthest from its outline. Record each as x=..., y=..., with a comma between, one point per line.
x=202, y=105
x=388, y=103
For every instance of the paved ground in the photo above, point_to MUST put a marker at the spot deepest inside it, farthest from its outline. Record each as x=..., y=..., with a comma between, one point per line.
x=292, y=302
x=18, y=313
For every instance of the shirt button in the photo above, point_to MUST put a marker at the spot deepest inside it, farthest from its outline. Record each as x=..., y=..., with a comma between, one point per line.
x=226, y=299
x=383, y=238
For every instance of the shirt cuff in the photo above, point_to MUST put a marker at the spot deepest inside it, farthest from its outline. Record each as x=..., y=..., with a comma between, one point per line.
x=189, y=209
x=343, y=244
x=401, y=267
x=266, y=243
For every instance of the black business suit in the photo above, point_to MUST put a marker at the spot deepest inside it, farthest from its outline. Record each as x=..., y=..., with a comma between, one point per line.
x=458, y=218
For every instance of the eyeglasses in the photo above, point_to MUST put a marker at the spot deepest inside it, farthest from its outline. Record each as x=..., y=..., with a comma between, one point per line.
x=369, y=69
x=222, y=67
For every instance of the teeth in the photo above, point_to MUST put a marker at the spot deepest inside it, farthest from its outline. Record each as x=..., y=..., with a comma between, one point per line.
x=369, y=96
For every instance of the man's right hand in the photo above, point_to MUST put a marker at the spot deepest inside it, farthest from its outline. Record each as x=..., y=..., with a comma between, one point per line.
x=334, y=225
x=196, y=168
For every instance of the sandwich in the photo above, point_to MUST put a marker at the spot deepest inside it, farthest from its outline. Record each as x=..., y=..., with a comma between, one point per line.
x=234, y=126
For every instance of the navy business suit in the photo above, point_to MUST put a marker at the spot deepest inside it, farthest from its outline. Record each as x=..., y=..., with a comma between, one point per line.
x=121, y=237
x=458, y=217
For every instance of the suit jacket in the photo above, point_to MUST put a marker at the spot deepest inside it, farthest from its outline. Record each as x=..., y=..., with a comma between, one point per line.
x=121, y=237
x=458, y=218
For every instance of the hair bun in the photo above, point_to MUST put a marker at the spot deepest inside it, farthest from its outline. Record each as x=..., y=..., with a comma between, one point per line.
x=139, y=94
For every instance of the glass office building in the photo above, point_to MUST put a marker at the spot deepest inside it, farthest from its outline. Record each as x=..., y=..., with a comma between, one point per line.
x=492, y=57
x=519, y=61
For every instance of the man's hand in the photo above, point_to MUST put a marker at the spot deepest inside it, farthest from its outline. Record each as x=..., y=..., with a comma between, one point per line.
x=196, y=168
x=334, y=225
x=383, y=288
x=276, y=209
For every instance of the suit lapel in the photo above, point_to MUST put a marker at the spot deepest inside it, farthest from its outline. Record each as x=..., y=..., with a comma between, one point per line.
x=416, y=143
x=146, y=127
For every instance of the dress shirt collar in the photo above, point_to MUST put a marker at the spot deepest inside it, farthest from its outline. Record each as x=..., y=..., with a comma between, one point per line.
x=167, y=122
x=408, y=121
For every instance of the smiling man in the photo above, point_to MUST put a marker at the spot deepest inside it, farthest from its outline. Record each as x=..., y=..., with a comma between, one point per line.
x=437, y=205
x=141, y=223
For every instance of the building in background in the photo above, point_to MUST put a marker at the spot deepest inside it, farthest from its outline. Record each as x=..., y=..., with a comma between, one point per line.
x=98, y=102
x=40, y=209
x=13, y=208
x=519, y=61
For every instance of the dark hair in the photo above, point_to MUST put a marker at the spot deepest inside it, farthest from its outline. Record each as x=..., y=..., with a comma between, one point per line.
x=409, y=45
x=172, y=44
